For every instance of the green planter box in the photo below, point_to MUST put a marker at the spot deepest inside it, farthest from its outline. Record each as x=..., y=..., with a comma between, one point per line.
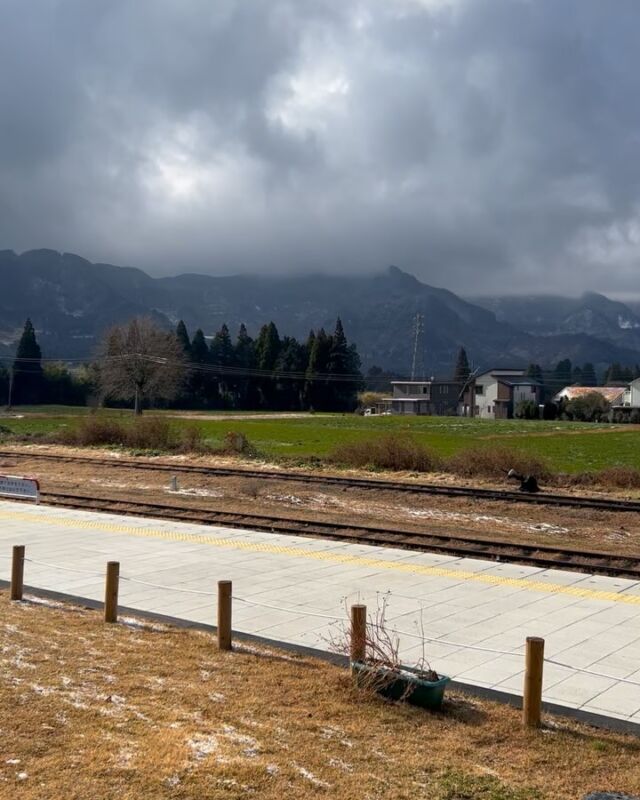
x=403, y=685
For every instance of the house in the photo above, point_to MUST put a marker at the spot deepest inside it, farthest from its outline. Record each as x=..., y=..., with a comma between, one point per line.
x=631, y=397
x=496, y=393
x=614, y=395
x=436, y=397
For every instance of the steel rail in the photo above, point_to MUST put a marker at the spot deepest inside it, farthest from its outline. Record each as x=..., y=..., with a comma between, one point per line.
x=497, y=495
x=543, y=556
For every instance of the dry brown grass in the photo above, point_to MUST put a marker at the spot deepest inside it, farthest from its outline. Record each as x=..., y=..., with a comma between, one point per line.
x=152, y=433
x=494, y=461
x=611, y=478
x=96, y=711
x=391, y=451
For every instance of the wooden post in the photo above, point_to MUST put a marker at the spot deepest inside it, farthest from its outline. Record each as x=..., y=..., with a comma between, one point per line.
x=111, y=592
x=17, y=572
x=532, y=699
x=358, y=632
x=224, y=615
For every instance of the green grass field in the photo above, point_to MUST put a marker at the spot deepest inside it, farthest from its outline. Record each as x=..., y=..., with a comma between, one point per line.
x=568, y=446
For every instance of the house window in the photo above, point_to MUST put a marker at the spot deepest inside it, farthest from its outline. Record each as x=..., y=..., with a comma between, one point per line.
x=533, y=390
x=479, y=389
x=424, y=390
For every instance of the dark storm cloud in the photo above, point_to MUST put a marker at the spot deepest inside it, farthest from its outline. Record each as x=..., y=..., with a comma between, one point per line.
x=486, y=145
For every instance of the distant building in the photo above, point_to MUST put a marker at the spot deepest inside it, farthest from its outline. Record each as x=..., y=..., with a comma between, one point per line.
x=435, y=397
x=614, y=395
x=496, y=393
x=631, y=397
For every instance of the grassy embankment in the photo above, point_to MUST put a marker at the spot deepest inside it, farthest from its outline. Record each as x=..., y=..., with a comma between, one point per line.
x=133, y=711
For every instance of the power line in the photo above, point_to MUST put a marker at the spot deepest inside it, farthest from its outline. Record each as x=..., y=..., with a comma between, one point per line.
x=202, y=367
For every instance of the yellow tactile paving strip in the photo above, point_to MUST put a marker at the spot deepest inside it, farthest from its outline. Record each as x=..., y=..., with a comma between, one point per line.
x=334, y=558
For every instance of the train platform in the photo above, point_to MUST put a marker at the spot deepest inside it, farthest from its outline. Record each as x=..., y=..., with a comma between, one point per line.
x=468, y=617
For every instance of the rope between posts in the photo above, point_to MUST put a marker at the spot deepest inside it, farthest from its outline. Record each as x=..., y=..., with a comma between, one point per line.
x=167, y=588
x=592, y=672
x=65, y=569
x=319, y=615
x=290, y=610
x=447, y=643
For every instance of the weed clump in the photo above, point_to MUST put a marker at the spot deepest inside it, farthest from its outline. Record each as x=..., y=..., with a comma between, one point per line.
x=618, y=477
x=151, y=433
x=93, y=431
x=145, y=434
x=494, y=462
x=237, y=444
x=391, y=451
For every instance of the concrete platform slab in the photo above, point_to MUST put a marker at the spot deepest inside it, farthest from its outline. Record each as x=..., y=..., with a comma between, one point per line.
x=291, y=584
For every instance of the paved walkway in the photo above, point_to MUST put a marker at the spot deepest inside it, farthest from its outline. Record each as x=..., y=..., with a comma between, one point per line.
x=290, y=588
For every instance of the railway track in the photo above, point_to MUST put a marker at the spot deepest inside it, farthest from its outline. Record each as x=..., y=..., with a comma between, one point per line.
x=544, y=498
x=463, y=546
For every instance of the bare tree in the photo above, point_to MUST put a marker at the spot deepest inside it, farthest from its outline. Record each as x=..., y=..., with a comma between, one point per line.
x=139, y=361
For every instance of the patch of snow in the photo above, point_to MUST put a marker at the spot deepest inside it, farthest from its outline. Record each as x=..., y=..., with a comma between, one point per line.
x=197, y=492
x=311, y=777
x=252, y=747
x=250, y=649
x=117, y=485
x=12, y=761
x=626, y=324
x=273, y=769
x=286, y=498
x=22, y=776
x=217, y=697
x=42, y=690
x=459, y=516
x=18, y=657
x=139, y=624
x=172, y=780
x=228, y=782
x=346, y=743
x=203, y=745
x=125, y=757
x=43, y=601
x=338, y=763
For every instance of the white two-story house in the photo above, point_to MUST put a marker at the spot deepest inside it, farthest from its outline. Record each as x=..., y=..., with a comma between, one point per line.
x=496, y=393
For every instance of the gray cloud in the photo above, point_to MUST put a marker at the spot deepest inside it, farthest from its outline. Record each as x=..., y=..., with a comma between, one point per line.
x=486, y=145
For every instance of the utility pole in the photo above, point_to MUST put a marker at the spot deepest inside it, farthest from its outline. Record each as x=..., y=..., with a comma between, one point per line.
x=417, y=363
x=10, y=398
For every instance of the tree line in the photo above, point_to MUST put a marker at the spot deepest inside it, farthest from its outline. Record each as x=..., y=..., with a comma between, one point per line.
x=142, y=364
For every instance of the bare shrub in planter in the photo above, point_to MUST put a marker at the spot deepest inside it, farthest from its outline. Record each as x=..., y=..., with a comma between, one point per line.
x=382, y=671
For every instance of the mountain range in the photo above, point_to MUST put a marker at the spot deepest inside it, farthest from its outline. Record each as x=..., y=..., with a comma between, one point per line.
x=71, y=301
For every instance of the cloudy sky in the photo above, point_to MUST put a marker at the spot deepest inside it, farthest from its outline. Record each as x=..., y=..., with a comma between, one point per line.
x=484, y=145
